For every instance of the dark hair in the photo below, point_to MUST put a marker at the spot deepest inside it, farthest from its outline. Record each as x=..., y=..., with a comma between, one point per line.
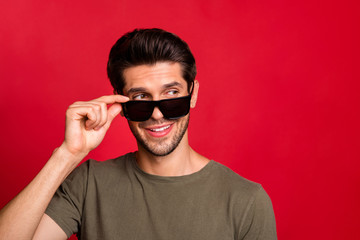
x=148, y=46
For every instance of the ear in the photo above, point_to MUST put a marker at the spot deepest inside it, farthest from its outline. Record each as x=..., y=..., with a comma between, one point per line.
x=195, y=94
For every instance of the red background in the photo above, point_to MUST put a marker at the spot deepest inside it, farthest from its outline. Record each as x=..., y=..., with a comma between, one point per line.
x=278, y=102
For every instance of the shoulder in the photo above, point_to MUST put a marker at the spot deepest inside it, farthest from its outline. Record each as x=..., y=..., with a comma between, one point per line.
x=242, y=193
x=252, y=209
x=233, y=182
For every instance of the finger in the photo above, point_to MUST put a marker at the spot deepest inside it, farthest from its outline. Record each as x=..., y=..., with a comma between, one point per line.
x=80, y=112
x=85, y=114
x=96, y=108
x=105, y=99
x=91, y=118
x=110, y=99
x=96, y=115
x=103, y=118
x=87, y=111
x=113, y=111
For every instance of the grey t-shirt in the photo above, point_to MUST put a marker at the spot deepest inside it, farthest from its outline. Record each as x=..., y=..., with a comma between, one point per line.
x=115, y=199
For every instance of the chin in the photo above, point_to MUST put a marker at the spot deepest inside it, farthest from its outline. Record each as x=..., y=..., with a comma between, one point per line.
x=163, y=146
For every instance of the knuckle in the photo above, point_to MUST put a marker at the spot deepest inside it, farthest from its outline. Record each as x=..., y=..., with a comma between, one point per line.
x=97, y=107
x=69, y=111
x=92, y=111
x=103, y=105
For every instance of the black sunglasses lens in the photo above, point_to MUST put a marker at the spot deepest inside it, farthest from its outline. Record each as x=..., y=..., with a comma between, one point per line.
x=175, y=108
x=138, y=110
x=170, y=108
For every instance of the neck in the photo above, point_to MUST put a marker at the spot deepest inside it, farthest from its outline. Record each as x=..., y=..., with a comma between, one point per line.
x=182, y=161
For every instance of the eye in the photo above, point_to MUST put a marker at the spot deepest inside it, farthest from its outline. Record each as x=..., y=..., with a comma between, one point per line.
x=172, y=92
x=139, y=96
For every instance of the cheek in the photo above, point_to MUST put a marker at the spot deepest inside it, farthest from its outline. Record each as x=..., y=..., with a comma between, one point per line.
x=133, y=125
x=183, y=122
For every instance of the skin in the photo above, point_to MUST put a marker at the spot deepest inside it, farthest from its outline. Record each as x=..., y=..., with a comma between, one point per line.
x=156, y=82
x=86, y=126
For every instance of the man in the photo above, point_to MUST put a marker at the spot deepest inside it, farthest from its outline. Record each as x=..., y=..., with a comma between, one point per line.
x=165, y=190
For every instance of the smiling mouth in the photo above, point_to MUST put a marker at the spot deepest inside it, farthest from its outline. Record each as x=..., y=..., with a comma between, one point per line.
x=159, y=129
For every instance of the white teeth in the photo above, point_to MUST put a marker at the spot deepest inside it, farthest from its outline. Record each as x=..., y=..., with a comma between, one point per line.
x=160, y=129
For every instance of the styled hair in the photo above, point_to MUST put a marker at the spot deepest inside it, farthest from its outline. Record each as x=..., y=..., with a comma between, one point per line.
x=148, y=46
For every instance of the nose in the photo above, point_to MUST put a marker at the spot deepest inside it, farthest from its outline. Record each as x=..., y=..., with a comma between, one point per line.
x=157, y=114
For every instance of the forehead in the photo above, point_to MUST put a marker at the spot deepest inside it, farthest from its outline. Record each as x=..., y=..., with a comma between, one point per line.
x=153, y=77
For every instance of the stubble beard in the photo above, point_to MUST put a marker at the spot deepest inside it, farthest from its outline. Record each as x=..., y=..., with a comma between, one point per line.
x=161, y=147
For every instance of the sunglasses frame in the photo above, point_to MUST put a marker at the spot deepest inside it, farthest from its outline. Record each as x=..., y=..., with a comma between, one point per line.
x=158, y=105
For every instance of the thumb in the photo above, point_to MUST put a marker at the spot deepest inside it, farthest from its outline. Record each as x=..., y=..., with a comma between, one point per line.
x=113, y=111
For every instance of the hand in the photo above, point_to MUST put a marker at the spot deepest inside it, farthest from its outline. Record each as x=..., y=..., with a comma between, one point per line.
x=88, y=122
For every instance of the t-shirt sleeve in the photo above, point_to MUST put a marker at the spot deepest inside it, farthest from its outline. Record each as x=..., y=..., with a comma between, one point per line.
x=259, y=222
x=66, y=206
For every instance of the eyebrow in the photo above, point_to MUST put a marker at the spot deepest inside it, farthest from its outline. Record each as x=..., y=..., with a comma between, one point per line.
x=135, y=90
x=173, y=84
x=165, y=86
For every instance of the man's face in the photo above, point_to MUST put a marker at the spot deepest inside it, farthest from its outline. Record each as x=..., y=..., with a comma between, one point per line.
x=158, y=135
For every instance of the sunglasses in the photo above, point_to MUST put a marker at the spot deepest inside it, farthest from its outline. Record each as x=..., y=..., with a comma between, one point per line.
x=173, y=108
